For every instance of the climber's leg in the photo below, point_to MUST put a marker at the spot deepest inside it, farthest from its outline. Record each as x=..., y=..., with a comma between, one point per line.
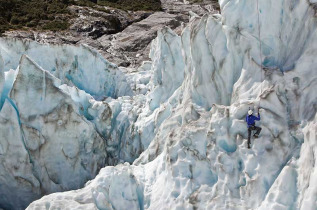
x=249, y=137
x=258, y=130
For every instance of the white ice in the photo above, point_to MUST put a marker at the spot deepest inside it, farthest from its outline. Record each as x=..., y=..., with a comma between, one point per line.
x=46, y=145
x=181, y=135
x=73, y=65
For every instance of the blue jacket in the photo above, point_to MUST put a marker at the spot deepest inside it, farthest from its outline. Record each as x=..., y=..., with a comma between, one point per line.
x=250, y=119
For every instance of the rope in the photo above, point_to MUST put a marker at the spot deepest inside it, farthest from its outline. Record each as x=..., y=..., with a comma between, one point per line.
x=260, y=52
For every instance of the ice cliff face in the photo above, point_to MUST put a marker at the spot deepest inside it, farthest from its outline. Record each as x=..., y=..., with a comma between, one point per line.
x=38, y=122
x=52, y=136
x=79, y=66
x=180, y=119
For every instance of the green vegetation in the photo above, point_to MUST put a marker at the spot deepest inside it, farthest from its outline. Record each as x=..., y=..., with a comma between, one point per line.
x=39, y=14
x=56, y=25
x=53, y=14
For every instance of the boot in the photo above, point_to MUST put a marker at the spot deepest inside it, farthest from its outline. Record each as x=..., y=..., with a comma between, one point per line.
x=256, y=136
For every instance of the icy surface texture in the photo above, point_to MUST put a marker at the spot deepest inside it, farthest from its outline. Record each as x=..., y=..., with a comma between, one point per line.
x=73, y=65
x=168, y=65
x=67, y=133
x=135, y=120
x=186, y=127
x=46, y=145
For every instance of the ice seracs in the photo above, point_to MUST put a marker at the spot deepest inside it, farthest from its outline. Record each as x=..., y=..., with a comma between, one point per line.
x=46, y=144
x=73, y=65
x=198, y=156
x=183, y=133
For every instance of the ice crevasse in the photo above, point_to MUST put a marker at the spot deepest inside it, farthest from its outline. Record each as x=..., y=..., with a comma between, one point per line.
x=177, y=122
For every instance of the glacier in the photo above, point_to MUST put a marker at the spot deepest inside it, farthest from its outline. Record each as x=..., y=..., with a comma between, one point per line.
x=170, y=134
x=71, y=64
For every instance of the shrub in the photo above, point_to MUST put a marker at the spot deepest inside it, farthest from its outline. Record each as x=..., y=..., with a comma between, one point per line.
x=56, y=25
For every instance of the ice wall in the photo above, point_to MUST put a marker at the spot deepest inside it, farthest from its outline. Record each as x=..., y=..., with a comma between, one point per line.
x=135, y=120
x=73, y=65
x=187, y=127
x=62, y=125
x=46, y=145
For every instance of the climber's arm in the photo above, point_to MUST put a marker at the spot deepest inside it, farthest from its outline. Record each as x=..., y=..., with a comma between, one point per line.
x=258, y=118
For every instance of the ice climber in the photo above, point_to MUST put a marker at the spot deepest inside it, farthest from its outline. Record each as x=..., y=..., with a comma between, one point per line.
x=250, y=119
